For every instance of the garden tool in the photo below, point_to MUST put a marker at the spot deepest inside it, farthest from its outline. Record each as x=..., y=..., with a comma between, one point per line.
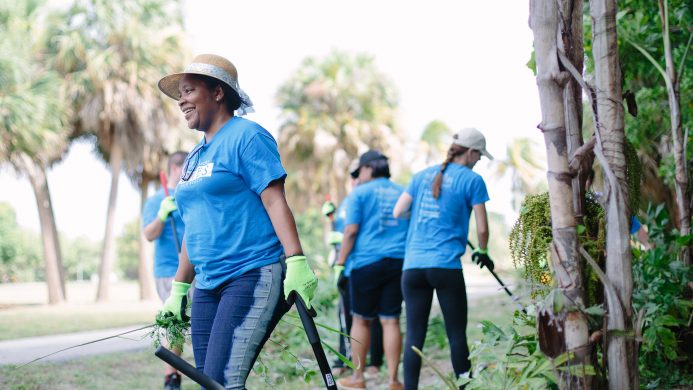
x=510, y=294
x=186, y=368
x=314, y=340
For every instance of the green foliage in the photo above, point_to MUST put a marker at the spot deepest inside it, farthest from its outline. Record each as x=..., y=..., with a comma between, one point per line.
x=20, y=256
x=128, y=246
x=33, y=114
x=80, y=257
x=659, y=295
x=310, y=225
x=510, y=358
x=171, y=329
x=531, y=236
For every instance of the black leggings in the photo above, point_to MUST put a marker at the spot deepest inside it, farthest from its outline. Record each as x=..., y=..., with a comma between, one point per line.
x=417, y=287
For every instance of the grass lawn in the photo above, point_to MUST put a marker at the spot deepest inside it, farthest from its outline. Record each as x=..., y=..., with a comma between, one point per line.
x=289, y=349
x=23, y=312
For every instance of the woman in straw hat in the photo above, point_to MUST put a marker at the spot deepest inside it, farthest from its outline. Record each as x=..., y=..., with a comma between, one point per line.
x=442, y=198
x=238, y=226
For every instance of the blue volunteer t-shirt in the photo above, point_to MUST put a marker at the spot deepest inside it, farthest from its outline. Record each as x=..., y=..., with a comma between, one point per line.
x=439, y=227
x=380, y=234
x=165, y=251
x=227, y=229
x=338, y=225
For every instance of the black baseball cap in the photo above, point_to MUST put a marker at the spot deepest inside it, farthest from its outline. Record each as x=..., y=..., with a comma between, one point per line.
x=367, y=158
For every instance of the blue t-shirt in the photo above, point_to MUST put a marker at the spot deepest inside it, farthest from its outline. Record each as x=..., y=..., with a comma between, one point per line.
x=227, y=229
x=165, y=250
x=338, y=225
x=439, y=227
x=380, y=234
x=634, y=224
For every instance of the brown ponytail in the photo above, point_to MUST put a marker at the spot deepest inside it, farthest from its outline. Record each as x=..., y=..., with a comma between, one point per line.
x=454, y=151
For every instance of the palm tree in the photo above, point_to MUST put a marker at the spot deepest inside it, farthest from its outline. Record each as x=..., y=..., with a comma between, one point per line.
x=527, y=168
x=332, y=110
x=122, y=48
x=433, y=141
x=32, y=116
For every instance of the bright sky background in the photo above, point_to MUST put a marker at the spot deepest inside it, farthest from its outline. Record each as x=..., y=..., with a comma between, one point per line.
x=462, y=62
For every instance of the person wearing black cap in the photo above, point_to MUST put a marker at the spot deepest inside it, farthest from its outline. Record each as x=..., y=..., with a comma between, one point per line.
x=373, y=243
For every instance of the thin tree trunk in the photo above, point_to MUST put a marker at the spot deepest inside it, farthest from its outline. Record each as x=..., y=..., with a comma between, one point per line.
x=551, y=82
x=144, y=270
x=681, y=175
x=621, y=356
x=51, y=246
x=109, y=250
x=571, y=43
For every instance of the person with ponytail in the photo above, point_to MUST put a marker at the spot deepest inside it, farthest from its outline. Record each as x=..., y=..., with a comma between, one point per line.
x=441, y=199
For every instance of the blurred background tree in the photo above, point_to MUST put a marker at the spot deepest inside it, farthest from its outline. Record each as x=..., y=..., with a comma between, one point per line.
x=333, y=110
x=33, y=115
x=114, y=53
x=527, y=166
x=435, y=141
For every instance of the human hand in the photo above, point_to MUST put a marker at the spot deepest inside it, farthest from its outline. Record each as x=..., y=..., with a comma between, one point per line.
x=335, y=238
x=300, y=279
x=328, y=208
x=338, y=270
x=480, y=257
x=177, y=303
x=167, y=206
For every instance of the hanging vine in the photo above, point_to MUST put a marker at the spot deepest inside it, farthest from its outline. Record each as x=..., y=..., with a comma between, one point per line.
x=531, y=236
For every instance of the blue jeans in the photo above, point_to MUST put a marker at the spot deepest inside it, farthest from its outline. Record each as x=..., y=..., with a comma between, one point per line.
x=232, y=322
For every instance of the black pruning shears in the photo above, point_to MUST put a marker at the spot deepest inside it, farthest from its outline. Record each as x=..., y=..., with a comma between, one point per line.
x=314, y=340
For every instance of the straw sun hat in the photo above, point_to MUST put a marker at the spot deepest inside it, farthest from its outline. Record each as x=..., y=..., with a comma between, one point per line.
x=214, y=66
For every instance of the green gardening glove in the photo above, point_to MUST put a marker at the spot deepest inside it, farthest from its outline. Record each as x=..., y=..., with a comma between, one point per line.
x=300, y=279
x=338, y=270
x=328, y=208
x=168, y=205
x=335, y=238
x=177, y=303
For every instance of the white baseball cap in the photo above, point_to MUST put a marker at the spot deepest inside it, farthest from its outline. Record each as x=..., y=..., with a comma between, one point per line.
x=473, y=139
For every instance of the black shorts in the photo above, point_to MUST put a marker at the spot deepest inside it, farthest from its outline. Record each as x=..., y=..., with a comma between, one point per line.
x=375, y=290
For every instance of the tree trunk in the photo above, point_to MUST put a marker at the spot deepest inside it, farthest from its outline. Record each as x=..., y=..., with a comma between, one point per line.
x=682, y=190
x=621, y=357
x=144, y=270
x=551, y=82
x=51, y=245
x=109, y=249
x=571, y=43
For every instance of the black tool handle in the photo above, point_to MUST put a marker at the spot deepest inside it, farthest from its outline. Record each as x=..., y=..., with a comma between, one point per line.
x=510, y=294
x=191, y=372
x=314, y=340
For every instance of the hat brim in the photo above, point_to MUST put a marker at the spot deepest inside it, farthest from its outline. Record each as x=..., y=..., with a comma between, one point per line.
x=355, y=173
x=169, y=84
x=487, y=154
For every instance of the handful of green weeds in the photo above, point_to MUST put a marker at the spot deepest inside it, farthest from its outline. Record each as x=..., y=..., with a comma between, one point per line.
x=171, y=329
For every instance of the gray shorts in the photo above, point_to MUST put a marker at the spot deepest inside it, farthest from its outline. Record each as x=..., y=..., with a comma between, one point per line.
x=163, y=288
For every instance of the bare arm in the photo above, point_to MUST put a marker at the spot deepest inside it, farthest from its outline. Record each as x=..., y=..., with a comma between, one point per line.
x=402, y=206
x=350, y=233
x=153, y=230
x=274, y=200
x=644, y=238
x=481, y=225
x=186, y=272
